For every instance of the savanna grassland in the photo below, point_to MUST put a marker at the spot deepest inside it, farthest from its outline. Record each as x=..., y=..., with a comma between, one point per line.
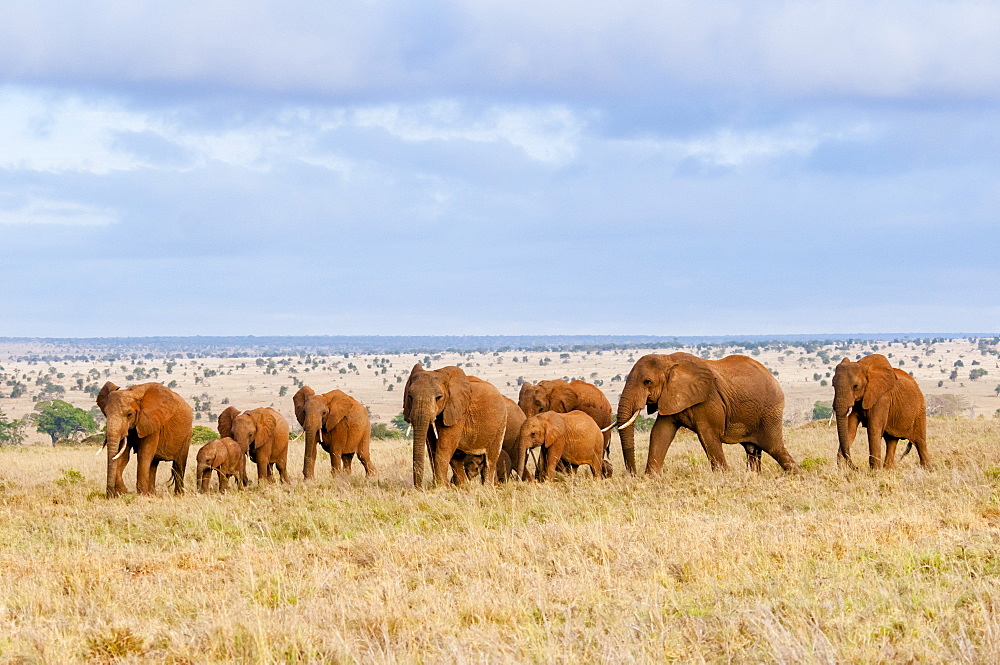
x=692, y=566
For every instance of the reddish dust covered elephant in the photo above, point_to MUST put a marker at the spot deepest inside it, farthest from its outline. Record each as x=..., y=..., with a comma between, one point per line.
x=152, y=421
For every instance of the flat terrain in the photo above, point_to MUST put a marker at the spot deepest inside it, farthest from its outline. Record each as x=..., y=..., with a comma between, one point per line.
x=822, y=566
x=377, y=380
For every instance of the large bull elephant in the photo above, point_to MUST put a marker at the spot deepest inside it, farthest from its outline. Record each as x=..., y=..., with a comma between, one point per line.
x=731, y=400
x=886, y=401
x=152, y=421
x=263, y=433
x=339, y=423
x=450, y=412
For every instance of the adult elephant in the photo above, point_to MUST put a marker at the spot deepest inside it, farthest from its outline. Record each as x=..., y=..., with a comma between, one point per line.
x=886, y=401
x=564, y=396
x=155, y=423
x=339, y=423
x=451, y=411
x=731, y=400
x=263, y=434
x=473, y=465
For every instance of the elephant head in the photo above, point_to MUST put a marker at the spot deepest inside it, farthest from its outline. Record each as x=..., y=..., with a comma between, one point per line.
x=547, y=396
x=244, y=428
x=441, y=396
x=664, y=384
x=865, y=381
x=137, y=409
x=544, y=429
x=316, y=414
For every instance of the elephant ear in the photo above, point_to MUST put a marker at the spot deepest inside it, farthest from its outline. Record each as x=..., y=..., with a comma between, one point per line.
x=155, y=409
x=263, y=420
x=881, y=378
x=688, y=383
x=459, y=394
x=102, y=397
x=562, y=398
x=299, y=402
x=522, y=395
x=226, y=419
x=340, y=406
x=555, y=429
x=407, y=400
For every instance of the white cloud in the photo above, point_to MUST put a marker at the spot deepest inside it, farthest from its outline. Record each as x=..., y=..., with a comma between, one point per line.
x=58, y=213
x=547, y=134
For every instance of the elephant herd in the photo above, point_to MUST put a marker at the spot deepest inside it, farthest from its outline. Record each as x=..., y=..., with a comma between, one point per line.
x=470, y=430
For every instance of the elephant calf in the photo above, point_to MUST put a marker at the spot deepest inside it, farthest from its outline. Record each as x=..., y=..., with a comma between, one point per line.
x=572, y=438
x=225, y=457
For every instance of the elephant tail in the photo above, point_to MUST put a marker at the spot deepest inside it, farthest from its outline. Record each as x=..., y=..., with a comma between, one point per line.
x=909, y=446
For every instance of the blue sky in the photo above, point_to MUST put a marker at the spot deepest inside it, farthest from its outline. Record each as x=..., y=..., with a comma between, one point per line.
x=665, y=168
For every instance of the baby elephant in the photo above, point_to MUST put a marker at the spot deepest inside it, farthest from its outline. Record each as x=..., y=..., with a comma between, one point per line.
x=225, y=457
x=573, y=438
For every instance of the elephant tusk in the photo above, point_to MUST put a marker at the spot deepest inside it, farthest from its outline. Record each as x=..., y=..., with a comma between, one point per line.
x=611, y=426
x=103, y=445
x=435, y=430
x=409, y=428
x=849, y=410
x=121, y=452
x=630, y=420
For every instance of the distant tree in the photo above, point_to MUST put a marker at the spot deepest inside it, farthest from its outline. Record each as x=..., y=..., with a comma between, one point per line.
x=821, y=411
x=11, y=431
x=383, y=431
x=201, y=435
x=997, y=390
x=399, y=423
x=977, y=373
x=282, y=391
x=60, y=419
x=945, y=405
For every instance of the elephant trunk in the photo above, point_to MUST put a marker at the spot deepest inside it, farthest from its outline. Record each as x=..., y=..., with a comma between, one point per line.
x=113, y=442
x=844, y=451
x=309, y=461
x=627, y=409
x=422, y=415
x=522, y=457
x=204, y=476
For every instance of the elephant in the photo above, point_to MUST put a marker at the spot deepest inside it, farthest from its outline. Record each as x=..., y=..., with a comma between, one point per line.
x=451, y=411
x=731, y=400
x=565, y=396
x=573, y=438
x=151, y=420
x=263, y=434
x=887, y=402
x=475, y=465
x=339, y=423
x=225, y=457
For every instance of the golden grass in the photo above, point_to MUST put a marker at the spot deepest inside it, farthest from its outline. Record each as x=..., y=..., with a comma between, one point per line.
x=821, y=566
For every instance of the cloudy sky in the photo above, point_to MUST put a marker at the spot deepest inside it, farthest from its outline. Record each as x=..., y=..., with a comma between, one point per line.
x=476, y=167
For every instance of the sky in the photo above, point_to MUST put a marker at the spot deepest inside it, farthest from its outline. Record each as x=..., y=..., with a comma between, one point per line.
x=477, y=167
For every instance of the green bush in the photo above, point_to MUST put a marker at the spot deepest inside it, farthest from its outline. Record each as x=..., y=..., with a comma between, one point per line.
x=383, y=431
x=821, y=411
x=201, y=435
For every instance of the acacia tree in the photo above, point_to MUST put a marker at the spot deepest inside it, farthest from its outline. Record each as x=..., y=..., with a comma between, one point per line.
x=11, y=431
x=60, y=419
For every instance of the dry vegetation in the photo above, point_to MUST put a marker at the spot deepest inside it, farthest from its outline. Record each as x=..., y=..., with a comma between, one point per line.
x=821, y=566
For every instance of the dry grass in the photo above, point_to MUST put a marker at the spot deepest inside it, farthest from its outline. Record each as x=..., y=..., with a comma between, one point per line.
x=821, y=566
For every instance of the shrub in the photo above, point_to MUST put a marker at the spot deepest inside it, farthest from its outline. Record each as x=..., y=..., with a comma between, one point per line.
x=821, y=411
x=201, y=435
x=383, y=431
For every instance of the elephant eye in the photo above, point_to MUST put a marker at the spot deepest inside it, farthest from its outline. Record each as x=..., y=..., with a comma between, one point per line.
x=646, y=382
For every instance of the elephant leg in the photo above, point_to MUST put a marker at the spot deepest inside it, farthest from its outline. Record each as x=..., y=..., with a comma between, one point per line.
x=552, y=459
x=177, y=475
x=336, y=463
x=753, y=457
x=366, y=462
x=263, y=473
x=773, y=443
x=598, y=470
x=921, y=446
x=144, y=484
x=662, y=435
x=119, y=470
x=874, y=446
x=890, y=451
x=282, y=468
x=712, y=445
x=348, y=459
x=223, y=482
x=458, y=471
